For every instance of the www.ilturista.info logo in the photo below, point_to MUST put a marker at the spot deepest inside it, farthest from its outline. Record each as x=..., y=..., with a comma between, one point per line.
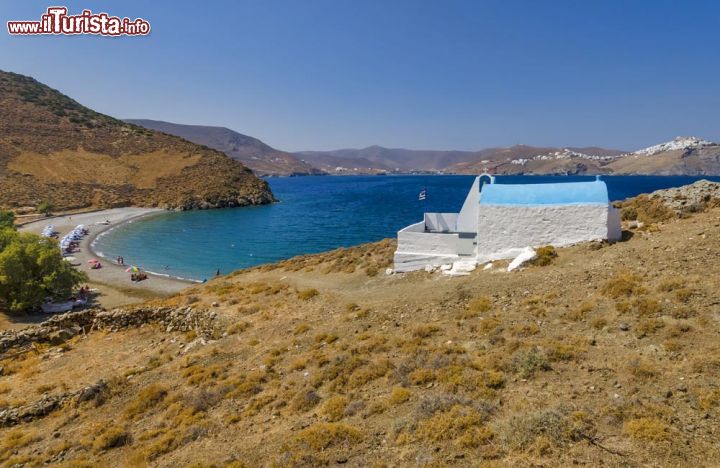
x=57, y=21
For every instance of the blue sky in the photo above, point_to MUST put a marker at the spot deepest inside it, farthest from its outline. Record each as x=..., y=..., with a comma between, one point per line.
x=325, y=74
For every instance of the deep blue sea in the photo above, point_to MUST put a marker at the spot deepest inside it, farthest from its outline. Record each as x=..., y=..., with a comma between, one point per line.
x=314, y=214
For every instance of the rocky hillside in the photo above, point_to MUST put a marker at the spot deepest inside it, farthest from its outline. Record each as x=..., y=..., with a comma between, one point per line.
x=681, y=156
x=54, y=149
x=606, y=356
x=261, y=158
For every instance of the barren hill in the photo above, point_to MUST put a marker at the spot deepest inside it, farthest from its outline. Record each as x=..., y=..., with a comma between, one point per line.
x=680, y=156
x=52, y=148
x=261, y=158
x=606, y=357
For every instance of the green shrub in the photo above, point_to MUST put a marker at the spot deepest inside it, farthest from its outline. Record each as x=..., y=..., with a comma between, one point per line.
x=7, y=219
x=31, y=269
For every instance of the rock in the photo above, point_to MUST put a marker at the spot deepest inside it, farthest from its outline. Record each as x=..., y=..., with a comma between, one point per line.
x=527, y=254
x=215, y=304
x=389, y=271
x=461, y=268
x=624, y=327
x=60, y=336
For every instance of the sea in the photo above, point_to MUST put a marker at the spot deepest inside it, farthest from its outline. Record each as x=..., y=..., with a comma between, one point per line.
x=314, y=214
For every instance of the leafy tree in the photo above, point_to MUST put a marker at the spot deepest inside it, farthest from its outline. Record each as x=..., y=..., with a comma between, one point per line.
x=45, y=207
x=31, y=269
x=7, y=219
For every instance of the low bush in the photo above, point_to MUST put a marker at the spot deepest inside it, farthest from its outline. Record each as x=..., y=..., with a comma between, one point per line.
x=557, y=426
x=624, y=283
x=480, y=304
x=334, y=408
x=146, y=399
x=528, y=362
x=322, y=436
x=646, y=429
x=544, y=255
x=399, y=395
x=307, y=294
x=111, y=438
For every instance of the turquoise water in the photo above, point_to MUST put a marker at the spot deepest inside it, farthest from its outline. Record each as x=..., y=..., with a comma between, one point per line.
x=315, y=214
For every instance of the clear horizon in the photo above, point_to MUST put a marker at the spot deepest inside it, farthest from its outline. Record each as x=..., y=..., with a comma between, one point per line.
x=457, y=75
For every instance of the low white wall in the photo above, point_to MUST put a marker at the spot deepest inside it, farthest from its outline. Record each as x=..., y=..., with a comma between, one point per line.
x=503, y=230
x=417, y=248
x=427, y=243
x=443, y=222
x=404, y=262
x=417, y=227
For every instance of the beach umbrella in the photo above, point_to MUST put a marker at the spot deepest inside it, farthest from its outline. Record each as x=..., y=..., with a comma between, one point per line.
x=133, y=269
x=93, y=260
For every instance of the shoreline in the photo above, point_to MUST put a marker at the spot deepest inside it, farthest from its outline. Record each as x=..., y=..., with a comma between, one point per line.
x=92, y=237
x=111, y=281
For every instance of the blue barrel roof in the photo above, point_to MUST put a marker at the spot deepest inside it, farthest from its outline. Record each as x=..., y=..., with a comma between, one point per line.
x=566, y=193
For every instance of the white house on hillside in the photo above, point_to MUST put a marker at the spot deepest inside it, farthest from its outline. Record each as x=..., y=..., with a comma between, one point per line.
x=498, y=220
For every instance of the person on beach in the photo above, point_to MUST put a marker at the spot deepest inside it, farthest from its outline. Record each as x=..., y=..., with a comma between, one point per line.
x=217, y=273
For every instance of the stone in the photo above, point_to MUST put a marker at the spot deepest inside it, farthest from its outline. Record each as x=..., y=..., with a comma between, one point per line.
x=624, y=327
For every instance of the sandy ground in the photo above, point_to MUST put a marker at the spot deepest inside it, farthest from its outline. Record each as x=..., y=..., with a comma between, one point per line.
x=112, y=281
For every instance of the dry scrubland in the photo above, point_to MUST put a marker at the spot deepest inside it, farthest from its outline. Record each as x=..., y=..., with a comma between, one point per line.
x=601, y=355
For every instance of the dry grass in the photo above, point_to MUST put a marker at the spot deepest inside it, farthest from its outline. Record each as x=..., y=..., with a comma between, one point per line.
x=112, y=437
x=624, y=283
x=145, y=400
x=544, y=255
x=479, y=305
x=322, y=436
x=645, y=209
x=581, y=311
x=399, y=395
x=334, y=408
x=307, y=294
x=646, y=429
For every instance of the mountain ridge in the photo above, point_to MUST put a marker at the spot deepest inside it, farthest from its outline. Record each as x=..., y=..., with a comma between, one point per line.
x=261, y=158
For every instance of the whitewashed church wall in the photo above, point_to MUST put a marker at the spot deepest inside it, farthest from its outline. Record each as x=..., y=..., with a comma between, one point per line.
x=503, y=229
x=467, y=218
x=446, y=222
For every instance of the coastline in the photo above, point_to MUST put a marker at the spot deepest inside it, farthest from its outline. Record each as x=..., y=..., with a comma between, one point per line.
x=112, y=281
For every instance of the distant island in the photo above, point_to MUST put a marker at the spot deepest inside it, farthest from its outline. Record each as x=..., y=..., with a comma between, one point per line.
x=681, y=156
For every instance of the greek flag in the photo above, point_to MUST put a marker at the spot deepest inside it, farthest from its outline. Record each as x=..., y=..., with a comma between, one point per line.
x=422, y=195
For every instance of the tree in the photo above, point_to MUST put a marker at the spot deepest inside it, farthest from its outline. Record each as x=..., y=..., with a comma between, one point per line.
x=7, y=219
x=45, y=207
x=31, y=269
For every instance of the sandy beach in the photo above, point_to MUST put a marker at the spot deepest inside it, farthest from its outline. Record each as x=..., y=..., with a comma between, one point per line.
x=112, y=281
